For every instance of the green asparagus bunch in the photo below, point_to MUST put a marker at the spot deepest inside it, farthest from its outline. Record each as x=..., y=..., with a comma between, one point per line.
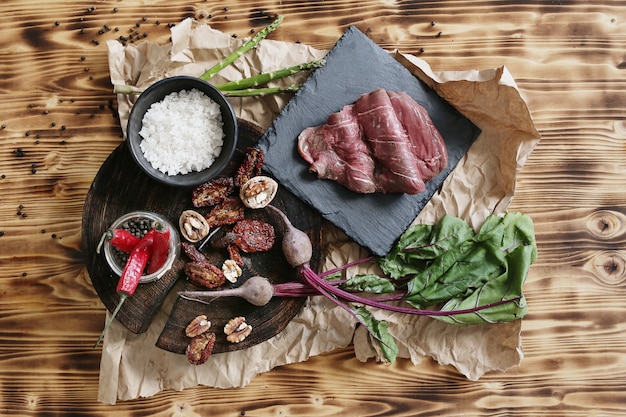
x=247, y=87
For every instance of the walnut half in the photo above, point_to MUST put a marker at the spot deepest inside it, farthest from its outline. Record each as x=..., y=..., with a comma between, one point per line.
x=197, y=326
x=258, y=192
x=193, y=225
x=237, y=329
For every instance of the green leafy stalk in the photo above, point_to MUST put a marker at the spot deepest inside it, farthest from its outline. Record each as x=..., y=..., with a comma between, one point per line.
x=253, y=92
x=242, y=49
x=380, y=331
x=266, y=77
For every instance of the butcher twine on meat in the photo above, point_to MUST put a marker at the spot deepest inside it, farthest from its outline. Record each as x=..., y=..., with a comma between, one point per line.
x=384, y=142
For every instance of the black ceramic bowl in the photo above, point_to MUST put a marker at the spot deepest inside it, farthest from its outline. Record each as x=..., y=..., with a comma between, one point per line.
x=156, y=93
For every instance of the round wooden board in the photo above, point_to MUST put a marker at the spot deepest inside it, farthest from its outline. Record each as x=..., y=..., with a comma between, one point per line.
x=120, y=187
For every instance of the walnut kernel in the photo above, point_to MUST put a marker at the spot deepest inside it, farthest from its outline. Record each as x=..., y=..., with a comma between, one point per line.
x=237, y=329
x=197, y=326
x=258, y=192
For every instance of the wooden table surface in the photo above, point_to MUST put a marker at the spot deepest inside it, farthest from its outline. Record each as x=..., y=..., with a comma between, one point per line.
x=57, y=112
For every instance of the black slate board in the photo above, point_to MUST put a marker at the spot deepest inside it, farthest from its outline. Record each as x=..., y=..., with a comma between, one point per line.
x=355, y=66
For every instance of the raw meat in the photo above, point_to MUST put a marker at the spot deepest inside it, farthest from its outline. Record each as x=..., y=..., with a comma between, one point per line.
x=384, y=142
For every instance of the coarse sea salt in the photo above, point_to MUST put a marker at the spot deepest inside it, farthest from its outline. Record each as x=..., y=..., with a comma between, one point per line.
x=182, y=133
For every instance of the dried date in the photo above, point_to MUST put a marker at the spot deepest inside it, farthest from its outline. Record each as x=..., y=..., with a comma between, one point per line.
x=200, y=348
x=205, y=274
x=212, y=192
x=250, y=167
x=229, y=211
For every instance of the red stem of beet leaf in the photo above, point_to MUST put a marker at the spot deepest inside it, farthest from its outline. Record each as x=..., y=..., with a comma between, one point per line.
x=338, y=295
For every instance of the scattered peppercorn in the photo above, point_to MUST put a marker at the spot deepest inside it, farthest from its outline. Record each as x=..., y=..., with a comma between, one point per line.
x=31, y=105
x=86, y=69
x=53, y=235
x=63, y=127
x=115, y=9
x=19, y=152
x=3, y=126
x=1, y=233
x=53, y=124
x=24, y=274
x=46, y=112
x=27, y=133
x=158, y=22
x=43, y=231
x=82, y=31
x=57, y=23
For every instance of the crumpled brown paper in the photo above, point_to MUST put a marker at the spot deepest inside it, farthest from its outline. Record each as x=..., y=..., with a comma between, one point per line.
x=482, y=183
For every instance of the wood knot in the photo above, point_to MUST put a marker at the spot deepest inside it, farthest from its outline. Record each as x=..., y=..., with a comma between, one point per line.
x=620, y=126
x=605, y=224
x=610, y=267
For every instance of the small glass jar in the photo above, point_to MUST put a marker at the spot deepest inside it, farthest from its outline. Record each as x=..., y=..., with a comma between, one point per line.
x=143, y=221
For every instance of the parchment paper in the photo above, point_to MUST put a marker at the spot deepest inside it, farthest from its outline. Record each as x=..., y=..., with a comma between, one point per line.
x=483, y=183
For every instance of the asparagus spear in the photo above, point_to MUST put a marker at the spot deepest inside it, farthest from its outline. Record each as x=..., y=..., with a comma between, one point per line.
x=252, y=92
x=242, y=49
x=266, y=77
x=246, y=92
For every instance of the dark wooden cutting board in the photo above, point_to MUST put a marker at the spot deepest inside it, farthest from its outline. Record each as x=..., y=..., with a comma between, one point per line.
x=120, y=187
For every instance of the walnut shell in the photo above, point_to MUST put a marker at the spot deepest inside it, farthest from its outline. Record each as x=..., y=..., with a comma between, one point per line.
x=193, y=226
x=258, y=192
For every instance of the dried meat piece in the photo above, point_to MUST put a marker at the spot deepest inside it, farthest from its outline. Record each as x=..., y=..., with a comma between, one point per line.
x=234, y=254
x=212, y=192
x=250, y=167
x=254, y=235
x=205, y=274
x=193, y=253
x=229, y=211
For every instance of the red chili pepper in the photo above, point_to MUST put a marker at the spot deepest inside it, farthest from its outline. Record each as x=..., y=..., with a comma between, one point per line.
x=133, y=270
x=136, y=265
x=120, y=238
x=160, y=250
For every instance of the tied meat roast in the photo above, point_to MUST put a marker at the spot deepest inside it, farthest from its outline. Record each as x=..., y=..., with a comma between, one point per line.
x=385, y=142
